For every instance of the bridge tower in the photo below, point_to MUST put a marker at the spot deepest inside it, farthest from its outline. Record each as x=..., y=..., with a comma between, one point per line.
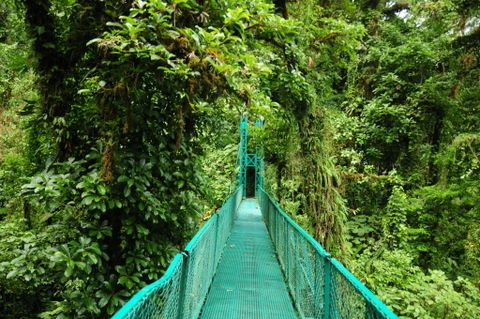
x=251, y=165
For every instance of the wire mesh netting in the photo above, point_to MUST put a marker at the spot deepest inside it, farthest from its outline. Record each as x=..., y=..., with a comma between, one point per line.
x=181, y=291
x=200, y=269
x=320, y=286
x=158, y=300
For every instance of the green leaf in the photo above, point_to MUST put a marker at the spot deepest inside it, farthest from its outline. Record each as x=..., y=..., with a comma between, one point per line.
x=12, y=273
x=68, y=272
x=84, y=91
x=123, y=178
x=88, y=200
x=96, y=40
x=103, y=301
x=93, y=259
x=102, y=190
x=114, y=24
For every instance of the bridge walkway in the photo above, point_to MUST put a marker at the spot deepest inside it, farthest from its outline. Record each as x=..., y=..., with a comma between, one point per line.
x=248, y=282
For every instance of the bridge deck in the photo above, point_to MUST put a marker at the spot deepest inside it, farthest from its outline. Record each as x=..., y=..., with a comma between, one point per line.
x=248, y=282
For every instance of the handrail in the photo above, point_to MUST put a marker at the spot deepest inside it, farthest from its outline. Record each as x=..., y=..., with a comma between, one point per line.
x=336, y=292
x=181, y=291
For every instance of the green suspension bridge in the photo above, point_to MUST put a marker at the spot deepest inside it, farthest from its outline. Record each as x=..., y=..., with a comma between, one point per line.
x=251, y=260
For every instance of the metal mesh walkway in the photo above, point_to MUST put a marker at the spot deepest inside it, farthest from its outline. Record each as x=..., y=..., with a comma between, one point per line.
x=248, y=282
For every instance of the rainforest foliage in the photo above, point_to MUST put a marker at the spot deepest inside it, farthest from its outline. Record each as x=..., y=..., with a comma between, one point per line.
x=118, y=136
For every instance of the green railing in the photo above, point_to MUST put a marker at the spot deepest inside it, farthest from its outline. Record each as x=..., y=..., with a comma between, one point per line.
x=181, y=292
x=320, y=286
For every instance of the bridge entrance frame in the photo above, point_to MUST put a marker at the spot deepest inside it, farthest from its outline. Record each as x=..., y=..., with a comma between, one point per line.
x=249, y=158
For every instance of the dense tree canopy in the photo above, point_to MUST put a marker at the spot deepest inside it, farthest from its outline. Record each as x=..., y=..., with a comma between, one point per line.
x=118, y=124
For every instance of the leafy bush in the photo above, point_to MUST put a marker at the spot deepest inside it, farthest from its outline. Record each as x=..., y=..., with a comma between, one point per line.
x=414, y=294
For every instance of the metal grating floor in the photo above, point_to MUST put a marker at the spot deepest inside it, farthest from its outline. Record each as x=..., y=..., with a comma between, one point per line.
x=248, y=283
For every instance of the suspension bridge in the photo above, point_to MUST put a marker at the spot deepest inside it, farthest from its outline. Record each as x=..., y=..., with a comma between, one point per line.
x=251, y=260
